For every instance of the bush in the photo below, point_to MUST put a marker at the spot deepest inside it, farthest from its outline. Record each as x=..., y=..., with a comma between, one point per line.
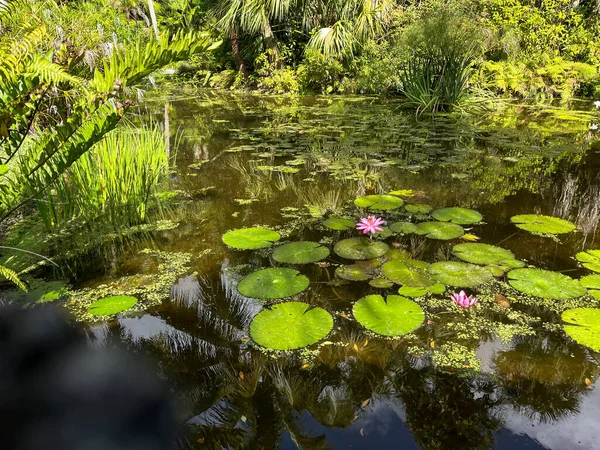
x=320, y=73
x=273, y=79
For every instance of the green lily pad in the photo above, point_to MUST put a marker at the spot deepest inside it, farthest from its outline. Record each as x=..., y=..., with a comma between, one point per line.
x=381, y=283
x=497, y=271
x=590, y=281
x=403, y=193
x=460, y=216
x=419, y=208
x=303, y=252
x=437, y=288
x=354, y=272
x=589, y=259
x=250, y=238
x=440, y=230
x=411, y=291
x=403, y=227
x=290, y=325
x=397, y=253
x=408, y=272
x=545, y=284
x=394, y=316
x=46, y=292
x=112, y=305
x=542, y=224
x=583, y=325
x=485, y=254
x=360, y=248
x=380, y=202
x=459, y=274
x=277, y=282
x=594, y=293
x=339, y=224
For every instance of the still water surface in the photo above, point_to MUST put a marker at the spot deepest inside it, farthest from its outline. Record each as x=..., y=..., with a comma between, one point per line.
x=247, y=160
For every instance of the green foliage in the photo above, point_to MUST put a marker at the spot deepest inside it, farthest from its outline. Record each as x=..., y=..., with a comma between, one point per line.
x=544, y=225
x=590, y=259
x=13, y=277
x=339, y=224
x=545, y=284
x=320, y=73
x=273, y=283
x=112, y=305
x=379, y=202
x=461, y=216
x=583, y=325
x=250, y=238
x=459, y=274
x=394, y=316
x=360, y=248
x=290, y=325
x=408, y=272
x=486, y=254
x=274, y=79
x=302, y=252
x=440, y=230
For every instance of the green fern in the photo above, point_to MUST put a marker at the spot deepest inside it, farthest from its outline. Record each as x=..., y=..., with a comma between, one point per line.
x=11, y=275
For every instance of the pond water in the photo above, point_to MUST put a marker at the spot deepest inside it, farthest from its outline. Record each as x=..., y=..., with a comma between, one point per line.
x=288, y=164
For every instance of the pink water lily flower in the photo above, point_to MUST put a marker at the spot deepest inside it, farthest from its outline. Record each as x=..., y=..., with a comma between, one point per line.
x=462, y=300
x=370, y=224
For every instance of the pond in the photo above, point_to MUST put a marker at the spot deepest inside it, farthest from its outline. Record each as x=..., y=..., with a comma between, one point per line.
x=404, y=367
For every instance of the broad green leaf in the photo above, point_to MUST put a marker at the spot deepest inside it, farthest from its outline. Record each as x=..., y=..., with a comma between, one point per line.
x=590, y=259
x=403, y=227
x=380, y=202
x=590, y=281
x=360, y=248
x=250, y=238
x=542, y=224
x=419, y=208
x=394, y=316
x=485, y=254
x=460, y=216
x=583, y=325
x=381, y=283
x=408, y=272
x=440, y=230
x=302, y=252
x=277, y=282
x=112, y=305
x=339, y=224
x=290, y=325
x=459, y=274
x=545, y=284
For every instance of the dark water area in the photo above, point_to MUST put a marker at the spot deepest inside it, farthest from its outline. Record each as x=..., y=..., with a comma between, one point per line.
x=247, y=160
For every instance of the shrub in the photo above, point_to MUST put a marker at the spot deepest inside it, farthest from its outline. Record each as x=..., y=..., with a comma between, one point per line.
x=273, y=79
x=320, y=73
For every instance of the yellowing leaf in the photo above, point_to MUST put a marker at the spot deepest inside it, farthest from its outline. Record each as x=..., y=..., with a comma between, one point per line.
x=365, y=403
x=241, y=375
x=305, y=365
x=432, y=344
x=589, y=383
x=470, y=237
x=365, y=344
x=355, y=347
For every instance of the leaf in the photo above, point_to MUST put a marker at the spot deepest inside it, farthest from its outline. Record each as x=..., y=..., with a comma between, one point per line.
x=360, y=248
x=485, y=254
x=365, y=403
x=542, y=224
x=408, y=272
x=355, y=272
x=3, y=169
x=460, y=216
x=380, y=202
x=273, y=283
x=339, y=224
x=470, y=237
x=403, y=193
x=590, y=259
x=419, y=208
x=583, y=325
x=381, y=283
x=439, y=230
x=112, y=305
x=394, y=316
x=250, y=238
x=590, y=281
x=459, y=274
x=241, y=374
x=403, y=227
x=290, y=325
x=303, y=252
x=588, y=383
x=355, y=348
x=545, y=284
x=432, y=344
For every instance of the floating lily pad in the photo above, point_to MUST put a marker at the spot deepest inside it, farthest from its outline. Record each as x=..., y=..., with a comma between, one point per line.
x=591, y=281
x=403, y=193
x=497, y=271
x=583, y=325
x=380, y=202
x=339, y=224
x=360, y=248
x=542, y=224
x=381, y=283
x=394, y=316
x=303, y=252
x=589, y=259
x=250, y=238
x=386, y=233
x=277, y=282
x=397, y=253
x=437, y=288
x=440, y=230
x=354, y=272
x=460, y=216
x=420, y=208
x=408, y=272
x=545, y=284
x=411, y=291
x=46, y=292
x=485, y=254
x=290, y=325
x=112, y=305
x=459, y=274
x=403, y=227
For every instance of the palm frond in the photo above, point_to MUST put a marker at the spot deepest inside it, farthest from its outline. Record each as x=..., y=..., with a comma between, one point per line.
x=11, y=275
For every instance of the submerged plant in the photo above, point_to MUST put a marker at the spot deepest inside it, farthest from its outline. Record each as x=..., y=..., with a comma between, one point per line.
x=370, y=224
x=462, y=300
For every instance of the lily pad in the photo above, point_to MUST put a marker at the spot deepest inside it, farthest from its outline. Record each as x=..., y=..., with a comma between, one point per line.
x=250, y=238
x=354, y=272
x=583, y=325
x=46, y=292
x=403, y=227
x=440, y=230
x=589, y=259
x=409, y=272
x=277, y=282
x=380, y=202
x=394, y=316
x=485, y=254
x=590, y=281
x=360, y=248
x=545, y=284
x=381, y=283
x=403, y=193
x=460, y=216
x=459, y=274
x=112, y=305
x=290, y=325
x=411, y=291
x=419, y=208
x=339, y=224
x=303, y=252
x=542, y=224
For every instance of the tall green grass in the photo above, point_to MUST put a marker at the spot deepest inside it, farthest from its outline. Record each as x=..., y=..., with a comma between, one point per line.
x=115, y=182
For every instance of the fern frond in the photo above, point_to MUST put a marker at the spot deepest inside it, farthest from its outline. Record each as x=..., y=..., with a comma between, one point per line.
x=11, y=275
